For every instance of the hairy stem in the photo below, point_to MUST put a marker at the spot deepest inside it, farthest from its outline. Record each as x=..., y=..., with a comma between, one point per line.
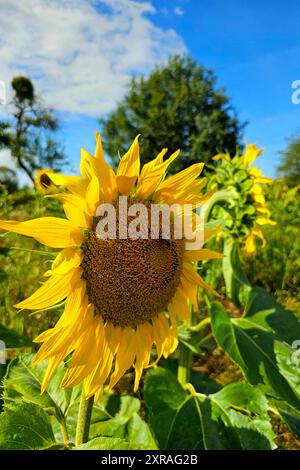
x=84, y=419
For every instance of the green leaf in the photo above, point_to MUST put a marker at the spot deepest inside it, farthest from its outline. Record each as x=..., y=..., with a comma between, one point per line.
x=104, y=443
x=259, y=351
x=25, y=428
x=13, y=340
x=139, y=434
x=3, y=276
x=164, y=396
x=234, y=418
x=120, y=420
x=23, y=384
x=263, y=310
x=291, y=416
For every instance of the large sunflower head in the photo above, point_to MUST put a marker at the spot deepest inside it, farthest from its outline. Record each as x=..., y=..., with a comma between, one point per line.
x=123, y=295
x=248, y=210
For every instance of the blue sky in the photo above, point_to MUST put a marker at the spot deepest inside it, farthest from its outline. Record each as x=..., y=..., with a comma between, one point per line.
x=81, y=53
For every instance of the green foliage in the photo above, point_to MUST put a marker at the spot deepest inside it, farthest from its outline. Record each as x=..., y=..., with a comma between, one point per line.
x=178, y=106
x=12, y=339
x=116, y=422
x=28, y=133
x=234, y=418
x=277, y=266
x=289, y=167
x=23, y=384
x=27, y=427
x=259, y=343
x=105, y=443
x=236, y=281
x=8, y=178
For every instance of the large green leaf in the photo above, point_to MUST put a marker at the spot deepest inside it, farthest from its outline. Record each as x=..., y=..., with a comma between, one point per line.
x=23, y=384
x=139, y=434
x=291, y=416
x=262, y=309
x=119, y=410
x=234, y=418
x=120, y=419
x=104, y=443
x=13, y=340
x=259, y=350
x=27, y=427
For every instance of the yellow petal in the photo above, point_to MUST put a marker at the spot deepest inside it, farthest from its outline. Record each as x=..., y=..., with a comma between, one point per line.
x=108, y=183
x=69, y=258
x=51, y=368
x=212, y=232
x=250, y=246
x=125, y=355
x=203, y=253
x=93, y=195
x=144, y=340
x=191, y=275
x=264, y=210
x=178, y=182
x=179, y=306
x=254, y=171
x=152, y=174
x=42, y=181
x=75, y=209
x=260, y=235
x=259, y=198
x=221, y=156
x=87, y=165
x=265, y=221
x=129, y=168
x=99, y=155
x=256, y=189
x=75, y=184
x=55, y=289
x=250, y=154
x=75, y=301
x=51, y=231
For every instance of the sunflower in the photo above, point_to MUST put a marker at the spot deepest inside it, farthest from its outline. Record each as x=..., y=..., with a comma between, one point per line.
x=123, y=297
x=239, y=172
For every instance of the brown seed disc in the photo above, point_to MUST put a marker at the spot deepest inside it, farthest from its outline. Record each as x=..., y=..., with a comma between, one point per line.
x=131, y=281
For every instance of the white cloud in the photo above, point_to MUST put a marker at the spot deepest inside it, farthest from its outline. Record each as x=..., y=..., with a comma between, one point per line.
x=178, y=11
x=81, y=53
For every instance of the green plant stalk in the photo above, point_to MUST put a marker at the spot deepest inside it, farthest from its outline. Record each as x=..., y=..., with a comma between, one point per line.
x=202, y=324
x=64, y=432
x=220, y=196
x=84, y=419
x=184, y=364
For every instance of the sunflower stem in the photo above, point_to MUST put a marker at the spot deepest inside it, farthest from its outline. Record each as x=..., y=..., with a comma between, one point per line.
x=184, y=364
x=84, y=419
x=64, y=432
x=202, y=324
x=226, y=195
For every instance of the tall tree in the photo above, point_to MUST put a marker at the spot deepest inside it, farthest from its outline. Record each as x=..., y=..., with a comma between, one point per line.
x=177, y=106
x=289, y=167
x=28, y=134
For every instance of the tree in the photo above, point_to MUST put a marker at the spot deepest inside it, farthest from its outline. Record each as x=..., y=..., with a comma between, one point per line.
x=8, y=178
x=289, y=167
x=28, y=134
x=177, y=106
